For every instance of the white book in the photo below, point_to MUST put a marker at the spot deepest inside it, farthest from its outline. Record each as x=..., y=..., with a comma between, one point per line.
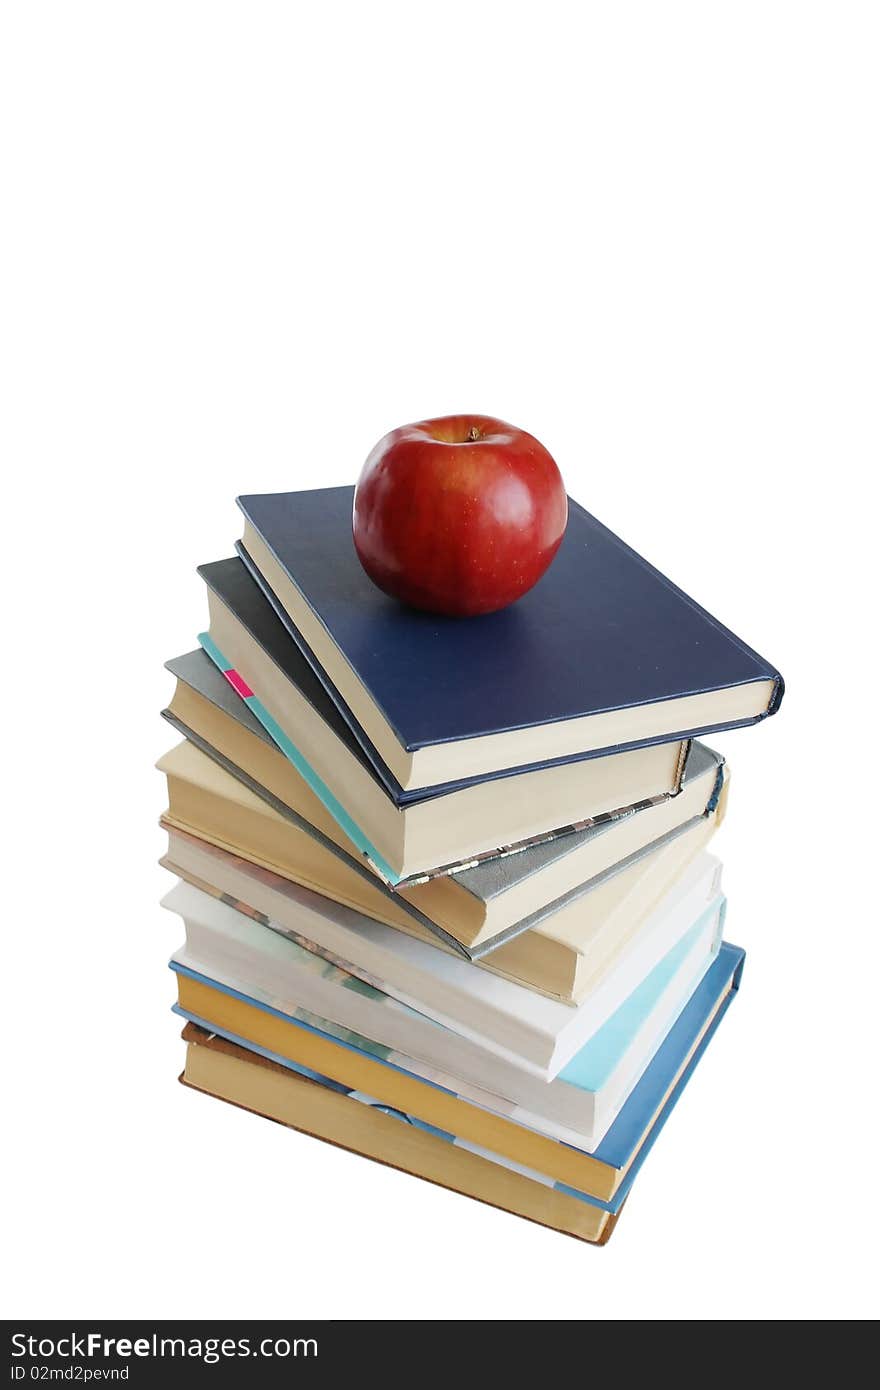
x=580, y=1104
x=521, y=1028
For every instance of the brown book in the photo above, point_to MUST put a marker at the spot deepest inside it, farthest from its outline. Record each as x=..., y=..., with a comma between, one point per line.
x=231, y=1073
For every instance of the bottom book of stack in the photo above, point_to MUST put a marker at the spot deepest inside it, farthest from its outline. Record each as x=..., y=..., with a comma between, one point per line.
x=558, y=1144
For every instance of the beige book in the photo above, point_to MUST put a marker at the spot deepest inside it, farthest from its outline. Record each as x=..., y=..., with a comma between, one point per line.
x=478, y=902
x=564, y=956
x=230, y=1073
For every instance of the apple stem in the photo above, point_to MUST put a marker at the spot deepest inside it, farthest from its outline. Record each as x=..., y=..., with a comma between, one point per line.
x=473, y=434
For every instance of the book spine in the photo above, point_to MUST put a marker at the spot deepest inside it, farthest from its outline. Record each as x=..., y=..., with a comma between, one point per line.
x=776, y=697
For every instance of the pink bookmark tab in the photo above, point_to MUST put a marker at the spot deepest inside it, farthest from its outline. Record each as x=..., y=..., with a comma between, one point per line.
x=239, y=685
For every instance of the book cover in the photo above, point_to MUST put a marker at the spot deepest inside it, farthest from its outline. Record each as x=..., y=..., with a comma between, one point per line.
x=484, y=876
x=562, y=956
x=219, y=1068
x=518, y=1027
x=642, y=1117
x=241, y=590
x=396, y=965
x=601, y=631
x=592, y=1087
x=491, y=876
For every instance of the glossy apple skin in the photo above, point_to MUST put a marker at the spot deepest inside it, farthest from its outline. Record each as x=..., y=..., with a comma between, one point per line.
x=459, y=515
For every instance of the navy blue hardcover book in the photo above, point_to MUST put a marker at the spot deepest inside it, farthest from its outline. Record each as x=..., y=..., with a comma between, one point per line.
x=603, y=654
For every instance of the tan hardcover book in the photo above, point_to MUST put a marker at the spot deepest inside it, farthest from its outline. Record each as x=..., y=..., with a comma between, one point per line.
x=477, y=903
x=564, y=955
x=348, y=1064
x=219, y=1068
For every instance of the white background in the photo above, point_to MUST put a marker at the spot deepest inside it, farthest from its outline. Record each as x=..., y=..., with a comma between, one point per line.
x=240, y=243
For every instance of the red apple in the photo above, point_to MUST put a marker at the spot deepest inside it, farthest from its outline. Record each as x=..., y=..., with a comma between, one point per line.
x=460, y=515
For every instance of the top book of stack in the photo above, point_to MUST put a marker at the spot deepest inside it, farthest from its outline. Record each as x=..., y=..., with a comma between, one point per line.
x=604, y=655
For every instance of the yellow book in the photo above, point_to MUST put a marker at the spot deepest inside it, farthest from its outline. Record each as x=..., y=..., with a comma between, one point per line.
x=230, y=1073
x=357, y=1070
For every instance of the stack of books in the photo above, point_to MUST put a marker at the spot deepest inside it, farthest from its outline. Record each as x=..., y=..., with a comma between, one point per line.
x=446, y=883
